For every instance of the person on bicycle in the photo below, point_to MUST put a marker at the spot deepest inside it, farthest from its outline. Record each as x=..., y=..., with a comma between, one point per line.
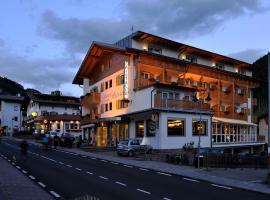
x=24, y=147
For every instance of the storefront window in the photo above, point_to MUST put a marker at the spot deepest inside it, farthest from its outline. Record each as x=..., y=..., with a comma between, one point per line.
x=199, y=127
x=139, y=128
x=176, y=127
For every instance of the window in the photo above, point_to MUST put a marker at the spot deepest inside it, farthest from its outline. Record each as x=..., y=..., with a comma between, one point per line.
x=199, y=128
x=176, y=127
x=145, y=75
x=110, y=83
x=139, y=128
x=102, y=108
x=121, y=104
x=102, y=87
x=110, y=105
x=120, y=79
x=154, y=49
x=171, y=95
x=164, y=95
x=243, y=72
x=106, y=107
x=102, y=67
x=106, y=85
x=191, y=58
x=15, y=119
x=177, y=96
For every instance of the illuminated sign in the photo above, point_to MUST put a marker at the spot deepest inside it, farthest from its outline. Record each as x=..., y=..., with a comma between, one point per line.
x=126, y=80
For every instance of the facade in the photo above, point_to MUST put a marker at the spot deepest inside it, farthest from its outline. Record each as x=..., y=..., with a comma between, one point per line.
x=10, y=114
x=263, y=128
x=53, y=112
x=144, y=86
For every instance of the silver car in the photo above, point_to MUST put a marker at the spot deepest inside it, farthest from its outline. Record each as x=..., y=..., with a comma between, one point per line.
x=131, y=146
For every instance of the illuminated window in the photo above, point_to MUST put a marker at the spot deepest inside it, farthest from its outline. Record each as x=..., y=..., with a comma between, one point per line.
x=139, y=128
x=176, y=127
x=199, y=127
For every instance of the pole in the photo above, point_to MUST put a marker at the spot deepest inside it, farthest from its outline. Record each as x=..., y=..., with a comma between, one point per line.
x=199, y=143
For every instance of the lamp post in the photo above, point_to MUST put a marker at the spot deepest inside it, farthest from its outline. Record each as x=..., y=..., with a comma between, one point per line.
x=201, y=101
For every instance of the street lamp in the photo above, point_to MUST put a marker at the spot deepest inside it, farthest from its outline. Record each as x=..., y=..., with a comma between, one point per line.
x=201, y=101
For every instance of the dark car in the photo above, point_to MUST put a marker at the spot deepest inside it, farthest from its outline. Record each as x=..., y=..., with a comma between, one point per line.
x=131, y=146
x=66, y=140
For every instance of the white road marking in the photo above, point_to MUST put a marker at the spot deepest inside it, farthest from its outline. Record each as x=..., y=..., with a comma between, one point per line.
x=115, y=163
x=222, y=186
x=89, y=173
x=61, y=163
x=165, y=198
x=128, y=166
x=143, y=169
x=49, y=159
x=9, y=160
x=41, y=184
x=164, y=174
x=78, y=169
x=103, y=160
x=68, y=165
x=192, y=180
x=13, y=163
x=18, y=167
x=144, y=191
x=119, y=183
x=102, y=177
x=32, y=177
x=84, y=156
x=25, y=172
x=55, y=194
x=93, y=158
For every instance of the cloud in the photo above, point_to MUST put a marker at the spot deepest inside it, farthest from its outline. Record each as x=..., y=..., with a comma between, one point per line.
x=2, y=43
x=249, y=55
x=177, y=19
x=43, y=74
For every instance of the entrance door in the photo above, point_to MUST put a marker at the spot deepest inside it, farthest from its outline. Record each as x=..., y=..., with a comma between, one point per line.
x=102, y=136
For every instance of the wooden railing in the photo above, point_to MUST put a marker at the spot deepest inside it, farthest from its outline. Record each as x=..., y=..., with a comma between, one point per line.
x=179, y=104
x=90, y=99
x=89, y=117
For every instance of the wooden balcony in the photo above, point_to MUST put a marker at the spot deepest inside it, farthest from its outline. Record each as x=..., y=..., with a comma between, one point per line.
x=179, y=104
x=142, y=83
x=89, y=117
x=90, y=100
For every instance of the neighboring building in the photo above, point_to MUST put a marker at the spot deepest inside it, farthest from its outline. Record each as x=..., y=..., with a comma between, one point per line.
x=10, y=114
x=143, y=86
x=46, y=112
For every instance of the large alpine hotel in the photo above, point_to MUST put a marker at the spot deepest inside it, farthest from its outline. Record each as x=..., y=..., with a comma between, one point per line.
x=166, y=94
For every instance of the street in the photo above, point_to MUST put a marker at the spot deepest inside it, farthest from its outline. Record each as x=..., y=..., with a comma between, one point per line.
x=68, y=175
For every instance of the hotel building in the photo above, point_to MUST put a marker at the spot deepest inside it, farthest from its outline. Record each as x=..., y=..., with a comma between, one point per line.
x=144, y=86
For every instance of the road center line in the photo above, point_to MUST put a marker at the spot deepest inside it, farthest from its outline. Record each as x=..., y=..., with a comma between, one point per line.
x=55, y=194
x=222, y=186
x=143, y=169
x=61, y=163
x=89, y=173
x=103, y=160
x=93, y=158
x=119, y=183
x=41, y=184
x=115, y=163
x=143, y=191
x=164, y=174
x=78, y=169
x=102, y=177
x=18, y=167
x=68, y=165
x=192, y=180
x=128, y=166
x=32, y=177
x=165, y=198
x=25, y=172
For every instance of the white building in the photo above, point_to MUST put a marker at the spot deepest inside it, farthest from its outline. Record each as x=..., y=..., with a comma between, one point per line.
x=10, y=114
x=53, y=112
x=143, y=87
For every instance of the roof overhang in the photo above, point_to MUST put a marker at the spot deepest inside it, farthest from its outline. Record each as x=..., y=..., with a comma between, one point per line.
x=232, y=121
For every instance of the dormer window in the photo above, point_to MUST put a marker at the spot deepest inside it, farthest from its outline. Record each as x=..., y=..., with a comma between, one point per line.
x=220, y=66
x=154, y=49
x=243, y=72
x=191, y=58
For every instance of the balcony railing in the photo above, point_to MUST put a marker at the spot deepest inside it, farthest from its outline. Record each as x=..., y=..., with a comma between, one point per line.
x=89, y=117
x=90, y=100
x=179, y=104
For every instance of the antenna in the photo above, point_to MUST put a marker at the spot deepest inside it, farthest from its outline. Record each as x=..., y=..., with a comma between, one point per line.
x=131, y=29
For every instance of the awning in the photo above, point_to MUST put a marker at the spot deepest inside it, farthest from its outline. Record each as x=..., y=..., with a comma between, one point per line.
x=88, y=126
x=232, y=121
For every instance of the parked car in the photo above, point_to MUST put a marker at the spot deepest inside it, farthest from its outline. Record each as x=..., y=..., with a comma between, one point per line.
x=52, y=134
x=131, y=146
x=66, y=140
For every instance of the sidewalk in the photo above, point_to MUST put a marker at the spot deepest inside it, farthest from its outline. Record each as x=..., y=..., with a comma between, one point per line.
x=15, y=186
x=249, y=179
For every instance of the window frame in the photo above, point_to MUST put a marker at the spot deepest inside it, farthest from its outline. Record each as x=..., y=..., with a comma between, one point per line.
x=184, y=127
x=136, y=128
x=206, y=128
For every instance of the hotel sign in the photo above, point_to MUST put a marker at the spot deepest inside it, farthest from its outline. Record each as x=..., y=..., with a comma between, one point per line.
x=126, y=80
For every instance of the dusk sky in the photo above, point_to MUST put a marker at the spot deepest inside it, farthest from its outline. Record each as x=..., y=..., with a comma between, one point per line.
x=42, y=43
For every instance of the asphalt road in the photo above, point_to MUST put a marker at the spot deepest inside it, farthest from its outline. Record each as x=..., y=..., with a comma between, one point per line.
x=68, y=176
